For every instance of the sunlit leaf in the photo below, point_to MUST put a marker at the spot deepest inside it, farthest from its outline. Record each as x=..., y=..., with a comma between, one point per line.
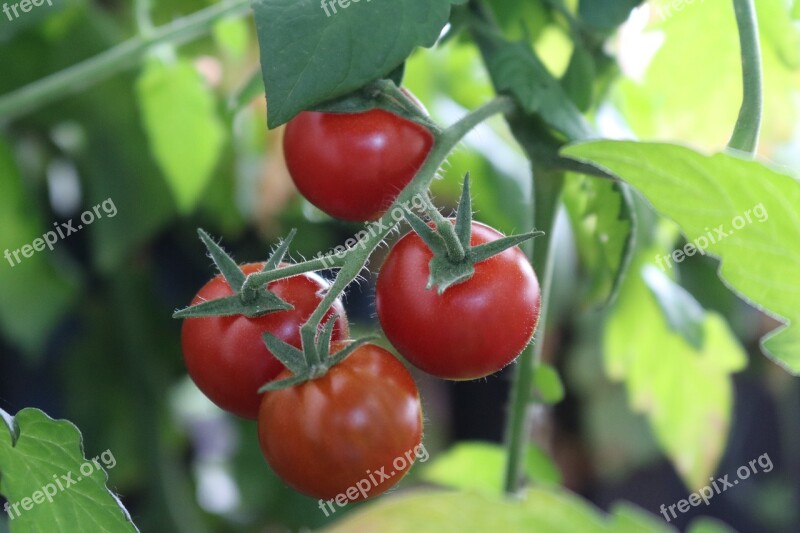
x=686, y=392
x=231, y=35
x=185, y=132
x=603, y=223
x=540, y=510
x=479, y=466
x=657, y=107
x=740, y=211
x=548, y=384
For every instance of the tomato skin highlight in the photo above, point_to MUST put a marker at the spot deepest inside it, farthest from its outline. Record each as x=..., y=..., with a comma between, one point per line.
x=324, y=436
x=226, y=356
x=472, y=330
x=353, y=166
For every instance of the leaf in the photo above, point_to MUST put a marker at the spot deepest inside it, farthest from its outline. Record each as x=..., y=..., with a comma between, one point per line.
x=578, y=80
x=548, y=384
x=706, y=524
x=185, y=132
x=703, y=195
x=603, y=223
x=479, y=466
x=35, y=294
x=656, y=106
x=515, y=68
x=49, y=483
x=541, y=509
x=313, y=52
x=606, y=15
x=231, y=35
x=685, y=392
x=684, y=315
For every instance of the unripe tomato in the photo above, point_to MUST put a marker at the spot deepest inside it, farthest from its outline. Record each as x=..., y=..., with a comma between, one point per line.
x=353, y=166
x=474, y=328
x=226, y=356
x=356, y=429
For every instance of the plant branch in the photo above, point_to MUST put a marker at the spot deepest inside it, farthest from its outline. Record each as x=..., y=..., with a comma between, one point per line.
x=748, y=125
x=102, y=66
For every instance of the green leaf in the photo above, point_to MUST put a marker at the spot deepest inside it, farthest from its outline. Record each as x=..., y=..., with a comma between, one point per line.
x=548, y=384
x=707, y=524
x=684, y=315
x=231, y=35
x=606, y=15
x=654, y=105
x=603, y=223
x=49, y=483
x=309, y=56
x=578, y=80
x=35, y=294
x=705, y=195
x=225, y=263
x=515, y=68
x=479, y=466
x=185, y=132
x=541, y=509
x=686, y=393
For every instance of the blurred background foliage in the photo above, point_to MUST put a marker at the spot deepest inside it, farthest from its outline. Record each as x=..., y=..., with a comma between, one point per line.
x=86, y=328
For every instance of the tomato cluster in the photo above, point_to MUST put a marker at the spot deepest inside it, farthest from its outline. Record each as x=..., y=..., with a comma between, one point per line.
x=329, y=424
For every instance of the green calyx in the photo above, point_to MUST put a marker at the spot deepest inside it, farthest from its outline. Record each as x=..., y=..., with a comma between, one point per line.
x=313, y=361
x=248, y=299
x=381, y=94
x=454, y=258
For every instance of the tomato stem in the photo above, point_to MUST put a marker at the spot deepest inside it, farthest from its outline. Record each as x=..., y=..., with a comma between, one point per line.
x=356, y=258
x=748, y=125
x=519, y=422
x=123, y=56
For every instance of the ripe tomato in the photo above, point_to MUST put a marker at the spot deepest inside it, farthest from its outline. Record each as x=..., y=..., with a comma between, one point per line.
x=472, y=330
x=226, y=356
x=353, y=166
x=357, y=427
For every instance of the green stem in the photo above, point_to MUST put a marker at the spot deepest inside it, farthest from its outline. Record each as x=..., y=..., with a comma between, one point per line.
x=357, y=257
x=519, y=422
x=114, y=60
x=748, y=125
x=143, y=21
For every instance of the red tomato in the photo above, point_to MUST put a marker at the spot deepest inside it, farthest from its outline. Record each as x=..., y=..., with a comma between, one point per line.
x=356, y=429
x=472, y=330
x=353, y=166
x=226, y=356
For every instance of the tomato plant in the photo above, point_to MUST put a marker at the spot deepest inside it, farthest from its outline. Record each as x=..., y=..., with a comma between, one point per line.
x=641, y=247
x=225, y=355
x=471, y=330
x=352, y=166
x=326, y=435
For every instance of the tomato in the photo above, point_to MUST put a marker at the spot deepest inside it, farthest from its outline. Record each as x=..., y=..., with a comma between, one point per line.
x=226, y=356
x=353, y=166
x=357, y=427
x=472, y=330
